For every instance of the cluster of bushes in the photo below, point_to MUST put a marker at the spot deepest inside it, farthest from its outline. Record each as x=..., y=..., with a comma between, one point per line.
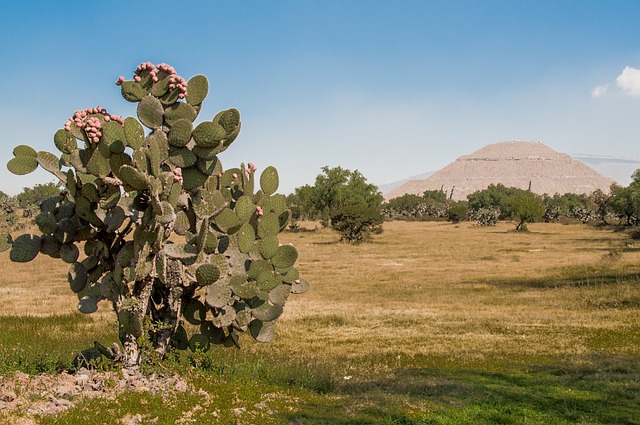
x=344, y=200
x=498, y=202
x=432, y=205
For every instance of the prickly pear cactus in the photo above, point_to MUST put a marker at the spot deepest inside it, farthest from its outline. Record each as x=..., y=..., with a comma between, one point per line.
x=151, y=222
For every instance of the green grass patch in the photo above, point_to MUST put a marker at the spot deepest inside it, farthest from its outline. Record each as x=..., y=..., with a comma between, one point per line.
x=48, y=344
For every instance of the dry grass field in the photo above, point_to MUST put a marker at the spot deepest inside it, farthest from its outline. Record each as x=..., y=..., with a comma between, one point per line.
x=430, y=323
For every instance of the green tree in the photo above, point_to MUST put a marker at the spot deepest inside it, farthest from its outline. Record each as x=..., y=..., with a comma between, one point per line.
x=438, y=196
x=356, y=223
x=566, y=205
x=458, y=211
x=600, y=202
x=625, y=202
x=36, y=194
x=494, y=197
x=526, y=207
x=336, y=188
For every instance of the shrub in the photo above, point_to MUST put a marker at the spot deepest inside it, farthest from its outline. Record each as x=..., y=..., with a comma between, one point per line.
x=356, y=223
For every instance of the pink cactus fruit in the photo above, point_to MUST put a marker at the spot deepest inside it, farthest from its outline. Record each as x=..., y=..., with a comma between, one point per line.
x=297, y=281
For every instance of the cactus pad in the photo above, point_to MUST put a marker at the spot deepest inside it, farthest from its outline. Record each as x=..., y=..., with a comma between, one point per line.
x=134, y=178
x=197, y=89
x=50, y=246
x=22, y=164
x=285, y=256
x=133, y=133
x=180, y=132
x=88, y=305
x=132, y=91
x=246, y=237
x=195, y=312
x=193, y=178
x=299, y=286
x=262, y=331
x=267, y=312
x=25, y=248
x=24, y=150
x=269, y=180
x=182, y=157
x=179, y=111
x=208, y=134
x=279, y=294
x=207, y=274
x=268, y=247
x=218, y=294
x=77, y=277
x=269, y=225
x=69, y=253
x=64, y=141
x=151, y=112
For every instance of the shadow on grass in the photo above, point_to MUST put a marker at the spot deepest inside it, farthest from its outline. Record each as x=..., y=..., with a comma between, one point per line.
x=606, y=391
x=570, y=277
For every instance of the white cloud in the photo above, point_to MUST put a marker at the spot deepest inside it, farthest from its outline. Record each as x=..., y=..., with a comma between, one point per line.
x=599, y=91
x=629, y=81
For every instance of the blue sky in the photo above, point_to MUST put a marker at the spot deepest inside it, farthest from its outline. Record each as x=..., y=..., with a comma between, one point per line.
x=392, y=89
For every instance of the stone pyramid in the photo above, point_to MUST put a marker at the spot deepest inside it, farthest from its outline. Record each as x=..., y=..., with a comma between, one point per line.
x=525, y=165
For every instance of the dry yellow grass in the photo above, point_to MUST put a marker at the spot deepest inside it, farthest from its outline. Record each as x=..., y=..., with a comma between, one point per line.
x=432, y=291
x=462, y=293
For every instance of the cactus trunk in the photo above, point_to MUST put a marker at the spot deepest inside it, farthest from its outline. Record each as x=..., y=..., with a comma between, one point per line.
x=131, y=313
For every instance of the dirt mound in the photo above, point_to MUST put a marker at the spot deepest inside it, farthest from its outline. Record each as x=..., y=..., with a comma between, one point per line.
x=525, y=165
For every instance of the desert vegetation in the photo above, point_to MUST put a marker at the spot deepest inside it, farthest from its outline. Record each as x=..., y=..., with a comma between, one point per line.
x=167, y=234
x=429, y=323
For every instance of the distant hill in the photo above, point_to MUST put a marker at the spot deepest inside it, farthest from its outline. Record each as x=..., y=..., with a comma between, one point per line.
x=525, y=165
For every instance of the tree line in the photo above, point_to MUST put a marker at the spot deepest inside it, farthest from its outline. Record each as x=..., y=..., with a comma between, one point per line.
x=346, y=201
x=343, y=199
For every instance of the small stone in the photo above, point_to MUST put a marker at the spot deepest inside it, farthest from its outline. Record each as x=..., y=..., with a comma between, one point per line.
x=66, y=391
x=238, y=411
x=181, y=386
x=7, y=395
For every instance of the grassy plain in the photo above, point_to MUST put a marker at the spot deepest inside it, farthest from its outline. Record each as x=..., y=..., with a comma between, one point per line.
x=431, y=323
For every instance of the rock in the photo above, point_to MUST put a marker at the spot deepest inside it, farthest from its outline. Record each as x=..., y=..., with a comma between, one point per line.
x=181, y=386
x=66, y=390
x=7, y=395
x=238, y=411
